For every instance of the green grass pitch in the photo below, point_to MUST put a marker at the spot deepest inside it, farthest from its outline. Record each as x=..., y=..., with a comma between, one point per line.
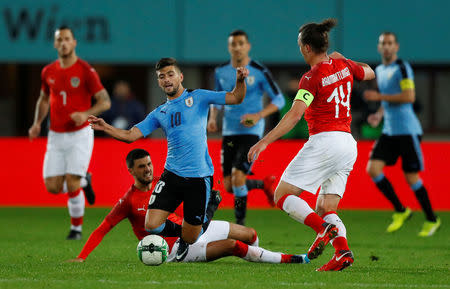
x=33, y=248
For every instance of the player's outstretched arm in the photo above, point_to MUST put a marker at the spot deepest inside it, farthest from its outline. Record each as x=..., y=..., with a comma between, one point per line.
x=94, y=239
x=406, y=96
x=289, y=120
x=42, y=107
x=236, y=96
x=127, y=136
x=369, y=74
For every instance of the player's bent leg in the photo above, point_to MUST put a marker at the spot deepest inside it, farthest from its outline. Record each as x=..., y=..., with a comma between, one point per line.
x=243, y=234
x=231, y=247
x=54, y=184
x=432, y=222
x=227, y=184
x=155, y=220
x=286, y=197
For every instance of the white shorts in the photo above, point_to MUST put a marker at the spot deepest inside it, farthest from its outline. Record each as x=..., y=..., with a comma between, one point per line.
x=325, y=160
x=68, y=152
x=217, y=230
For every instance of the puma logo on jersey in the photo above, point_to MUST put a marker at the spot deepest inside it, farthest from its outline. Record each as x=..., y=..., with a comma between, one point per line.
x=141, y=209
x=308, y=77
x=51, y=80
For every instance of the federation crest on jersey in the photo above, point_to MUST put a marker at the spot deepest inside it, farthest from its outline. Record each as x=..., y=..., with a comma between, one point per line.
x=189, y=101
x=75, y=81
x=250, y=79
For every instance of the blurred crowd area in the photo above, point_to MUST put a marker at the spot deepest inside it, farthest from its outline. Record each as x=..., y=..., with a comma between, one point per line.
x=134, y=93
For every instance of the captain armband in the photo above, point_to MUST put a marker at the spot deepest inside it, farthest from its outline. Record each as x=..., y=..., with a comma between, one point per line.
x=304, y=96
x=407, y=83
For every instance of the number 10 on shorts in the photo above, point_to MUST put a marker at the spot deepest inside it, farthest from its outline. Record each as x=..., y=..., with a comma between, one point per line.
x=157, y=190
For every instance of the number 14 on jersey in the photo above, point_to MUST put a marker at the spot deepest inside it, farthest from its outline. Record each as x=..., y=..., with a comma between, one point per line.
x=340, y=98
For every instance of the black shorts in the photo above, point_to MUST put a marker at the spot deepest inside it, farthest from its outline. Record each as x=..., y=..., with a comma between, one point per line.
x=171, y=190
x=390, y=148
x=234, y=152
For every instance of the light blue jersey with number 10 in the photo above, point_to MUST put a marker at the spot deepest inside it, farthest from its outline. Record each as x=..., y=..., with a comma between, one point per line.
x=184, y=120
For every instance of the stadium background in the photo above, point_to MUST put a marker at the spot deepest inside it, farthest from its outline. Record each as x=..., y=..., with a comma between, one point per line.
x=123, y=40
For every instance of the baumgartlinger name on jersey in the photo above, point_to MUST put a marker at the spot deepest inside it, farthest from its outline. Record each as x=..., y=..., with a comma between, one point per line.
x=335, y=77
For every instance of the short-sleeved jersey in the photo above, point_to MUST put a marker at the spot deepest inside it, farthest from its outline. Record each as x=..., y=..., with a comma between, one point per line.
x=259, y=81
x=330, y=84
x=399, y=118
x=70, y=90
x=184, y=120
x=133, y=206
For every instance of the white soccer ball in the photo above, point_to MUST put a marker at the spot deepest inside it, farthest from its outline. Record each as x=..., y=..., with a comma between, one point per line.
x=152, y=250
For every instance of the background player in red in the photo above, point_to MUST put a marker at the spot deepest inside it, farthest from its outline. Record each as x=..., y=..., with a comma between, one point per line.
x=327, y=158
x=220, y=239
x=68, y=85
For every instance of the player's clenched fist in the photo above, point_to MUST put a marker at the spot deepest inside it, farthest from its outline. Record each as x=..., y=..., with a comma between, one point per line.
x=241, y=73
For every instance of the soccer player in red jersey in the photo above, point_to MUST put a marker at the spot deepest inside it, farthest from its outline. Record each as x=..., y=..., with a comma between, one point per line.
x=221, y=239
x=328, y=156
x=68, y=85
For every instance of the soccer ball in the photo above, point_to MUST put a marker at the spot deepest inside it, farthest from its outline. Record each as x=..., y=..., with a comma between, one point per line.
x=152, y=250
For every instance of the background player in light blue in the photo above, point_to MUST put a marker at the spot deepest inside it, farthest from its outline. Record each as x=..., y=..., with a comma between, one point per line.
x=188, y=170
x=243, y=125
x=401, y=134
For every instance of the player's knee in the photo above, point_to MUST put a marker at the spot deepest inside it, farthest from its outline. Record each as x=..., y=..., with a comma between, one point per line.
x=372, y=171
x=190, y=238
x=52, y=187
x=154, y=227
x=229, y=245
x=278, y=194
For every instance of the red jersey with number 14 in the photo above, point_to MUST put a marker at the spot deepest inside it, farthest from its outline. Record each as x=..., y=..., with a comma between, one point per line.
x=330, y=83
x=70, y=90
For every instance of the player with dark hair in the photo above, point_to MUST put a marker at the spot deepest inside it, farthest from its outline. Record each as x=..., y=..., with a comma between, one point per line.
x=68, y=86
x=221, y=239
x=187, y=177
x=401, y=136
x=328, y=156
x=243, y=124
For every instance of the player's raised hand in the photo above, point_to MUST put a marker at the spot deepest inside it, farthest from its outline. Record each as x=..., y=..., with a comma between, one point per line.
x=34, y=131
x=255, y=150
x=241, y=73
x=79, y=117
x=97, y=123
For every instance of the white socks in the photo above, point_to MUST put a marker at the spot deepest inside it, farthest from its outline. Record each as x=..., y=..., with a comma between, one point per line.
x=261, y=255
x=335, y=220
x=76, y=208
x=297, y=208
x=83, y=183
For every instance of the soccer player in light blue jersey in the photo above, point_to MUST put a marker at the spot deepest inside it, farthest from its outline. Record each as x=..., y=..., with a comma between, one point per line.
x=188, y=170
x=401, y=134
x=243, y=125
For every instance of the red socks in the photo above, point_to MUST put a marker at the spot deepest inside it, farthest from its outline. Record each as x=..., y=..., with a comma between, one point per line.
x=240, y=249
x=314, y=221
